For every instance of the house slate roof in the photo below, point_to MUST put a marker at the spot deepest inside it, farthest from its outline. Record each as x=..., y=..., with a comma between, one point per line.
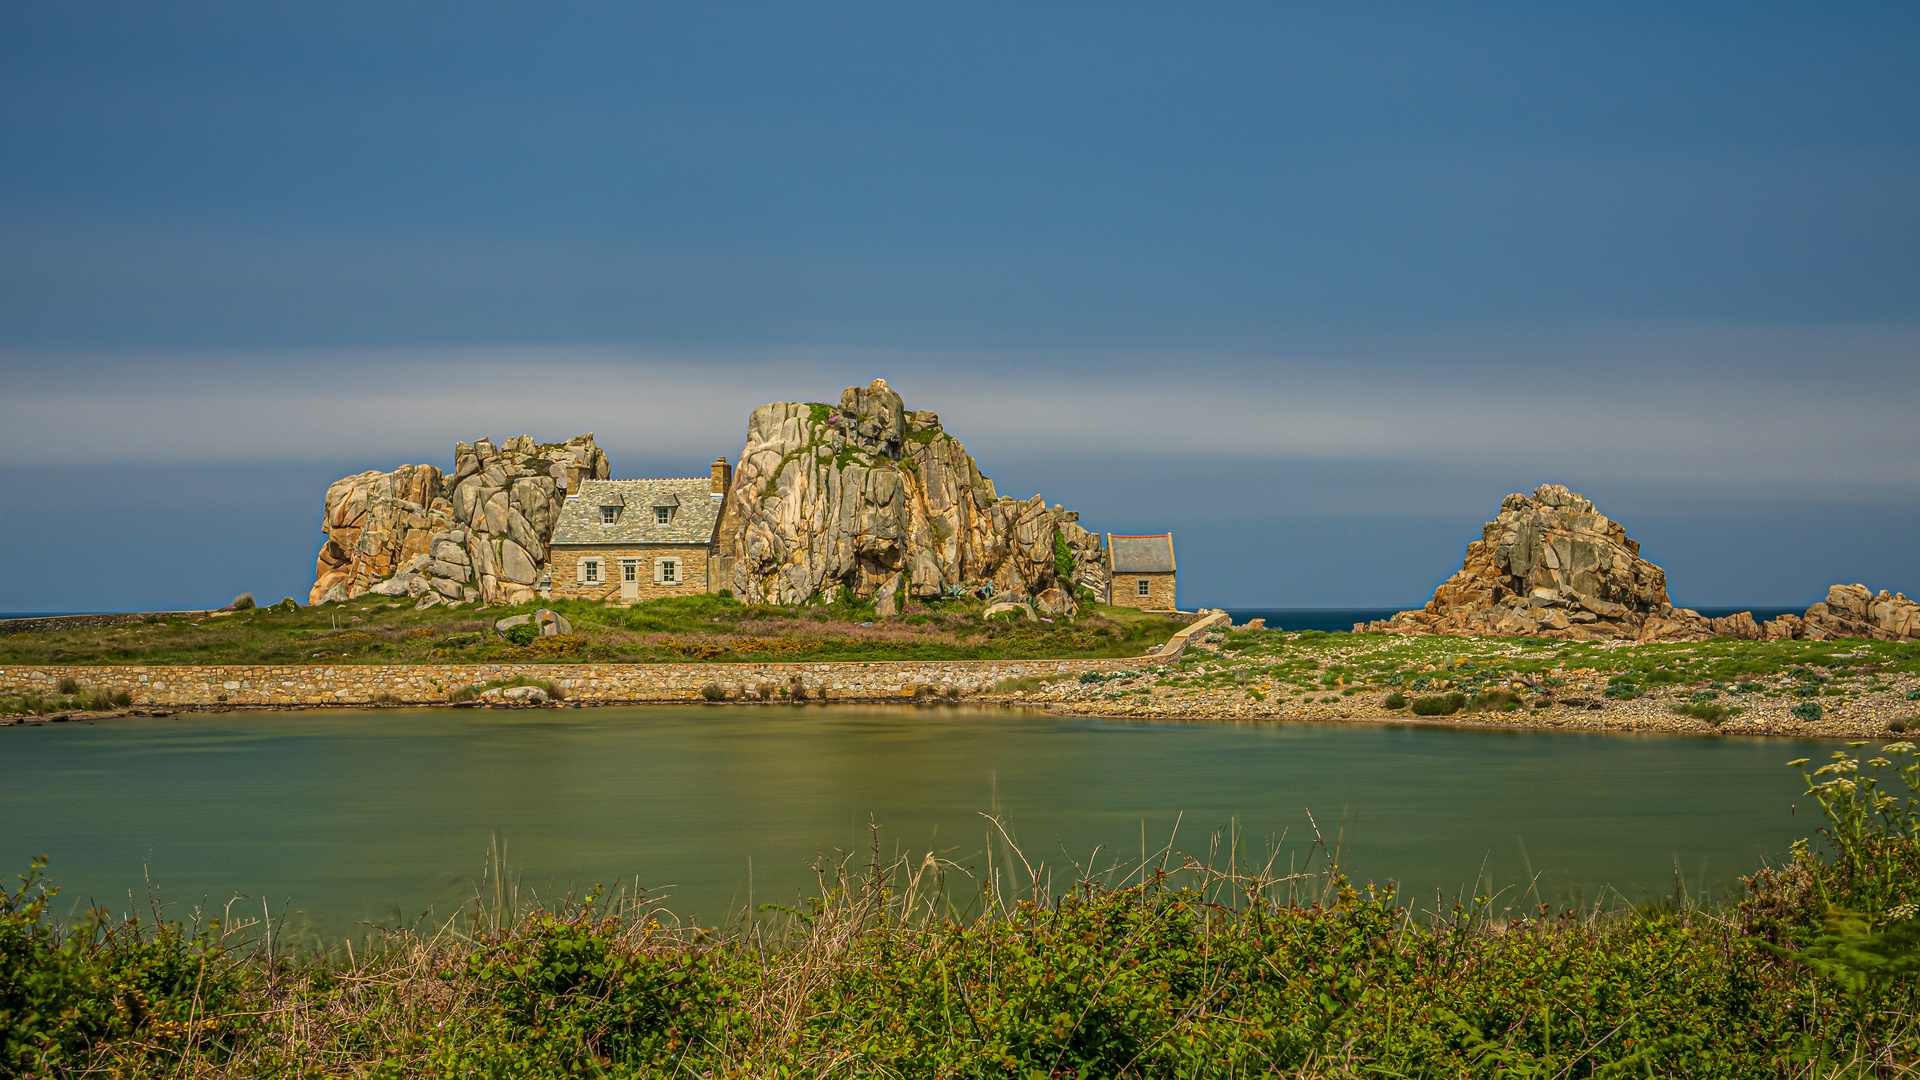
x=695, y=512
x=1141, y=554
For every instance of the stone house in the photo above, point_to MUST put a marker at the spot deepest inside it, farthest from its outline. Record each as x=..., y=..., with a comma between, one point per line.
x=1142, y=571
x=633, y=540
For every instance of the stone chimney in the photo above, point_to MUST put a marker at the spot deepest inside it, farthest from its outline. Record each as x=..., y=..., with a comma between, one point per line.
x=722, y=477
x=577, y=472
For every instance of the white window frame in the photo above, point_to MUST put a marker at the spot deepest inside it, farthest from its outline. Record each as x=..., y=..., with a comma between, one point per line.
x=663, y=515
x=590, y=571
x=629, y=570
x=1143, y=587
x=609, y=515
x=669, y=570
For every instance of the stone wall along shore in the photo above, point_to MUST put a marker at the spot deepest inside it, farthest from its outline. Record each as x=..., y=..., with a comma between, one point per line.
x=51, y=623
x=241, y=685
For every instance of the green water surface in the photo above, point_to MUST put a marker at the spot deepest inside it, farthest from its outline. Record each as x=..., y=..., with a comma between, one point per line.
x=380, y=815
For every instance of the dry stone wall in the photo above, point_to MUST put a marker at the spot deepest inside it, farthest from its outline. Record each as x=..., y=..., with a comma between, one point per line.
x=427, y=684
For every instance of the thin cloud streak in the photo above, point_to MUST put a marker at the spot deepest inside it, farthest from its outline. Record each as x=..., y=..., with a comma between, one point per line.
x=1622, y=409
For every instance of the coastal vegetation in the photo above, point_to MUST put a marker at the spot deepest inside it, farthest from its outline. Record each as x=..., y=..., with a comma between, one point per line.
x=1724, y=683
x=700, y=628
x=1171, y=965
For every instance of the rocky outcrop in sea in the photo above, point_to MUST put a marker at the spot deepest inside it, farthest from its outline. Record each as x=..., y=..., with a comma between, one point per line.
x=1552, y=565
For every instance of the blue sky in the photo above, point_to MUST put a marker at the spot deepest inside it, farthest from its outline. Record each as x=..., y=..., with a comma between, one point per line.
x=1312, y=285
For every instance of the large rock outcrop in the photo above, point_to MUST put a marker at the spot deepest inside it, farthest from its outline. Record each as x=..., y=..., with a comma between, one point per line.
x=1853, y=611
x=1551, y=564
x=480, y=534
x=376, y=523
x=870, y=497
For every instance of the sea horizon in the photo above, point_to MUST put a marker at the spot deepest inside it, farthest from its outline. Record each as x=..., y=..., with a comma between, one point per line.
x=1303, y=618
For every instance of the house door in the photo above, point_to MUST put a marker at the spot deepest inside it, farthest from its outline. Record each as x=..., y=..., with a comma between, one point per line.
x=629, y=579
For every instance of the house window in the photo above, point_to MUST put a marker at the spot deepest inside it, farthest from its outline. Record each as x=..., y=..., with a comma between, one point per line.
x=609, y=515
x=1144, y=587
x=590, y=571
x=629, y=570
x=662, y=515
x=670, y=569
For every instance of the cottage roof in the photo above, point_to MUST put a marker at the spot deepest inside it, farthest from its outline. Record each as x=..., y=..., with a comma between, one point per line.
x=694, y=512
x=1141, y=554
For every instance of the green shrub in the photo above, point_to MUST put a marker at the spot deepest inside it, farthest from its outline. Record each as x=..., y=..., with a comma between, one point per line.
x=68, y=686
x=1395, y=700
x=1063, y=562
x=522, y=633
x=1809, y=711
x=286, y=604
x=570, y=984
x=65, y=991
x=243, y=602
x=1497, y=701
x=101, y=701
x=1913, y=695
x=122, y=699
x=1713, y=714
x=1623, y=688
x=1898, y=725
x=1704, y=695
x=1439, y=705
x=713, y=692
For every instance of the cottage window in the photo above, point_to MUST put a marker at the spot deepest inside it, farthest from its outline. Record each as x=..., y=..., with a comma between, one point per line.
x=1144, y=587
x=662, y=515
x=590, y=571
x=666, y=571
x=609, y=515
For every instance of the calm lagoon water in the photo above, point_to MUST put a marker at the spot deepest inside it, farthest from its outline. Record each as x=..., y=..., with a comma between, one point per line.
x=351, y=816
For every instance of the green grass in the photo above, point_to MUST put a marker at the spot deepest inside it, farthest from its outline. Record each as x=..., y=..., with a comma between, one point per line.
x=1730, y=673
x=1168, y=966
x=374, y=630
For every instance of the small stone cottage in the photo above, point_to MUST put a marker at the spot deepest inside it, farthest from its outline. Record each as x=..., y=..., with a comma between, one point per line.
x=634, y=540
x=1143, y=571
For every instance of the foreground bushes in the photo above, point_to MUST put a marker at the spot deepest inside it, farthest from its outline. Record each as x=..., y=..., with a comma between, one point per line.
x=1171, y=969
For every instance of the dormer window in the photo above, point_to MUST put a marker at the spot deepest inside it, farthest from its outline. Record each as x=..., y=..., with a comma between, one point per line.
x=609, y=515
x=662, y=515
